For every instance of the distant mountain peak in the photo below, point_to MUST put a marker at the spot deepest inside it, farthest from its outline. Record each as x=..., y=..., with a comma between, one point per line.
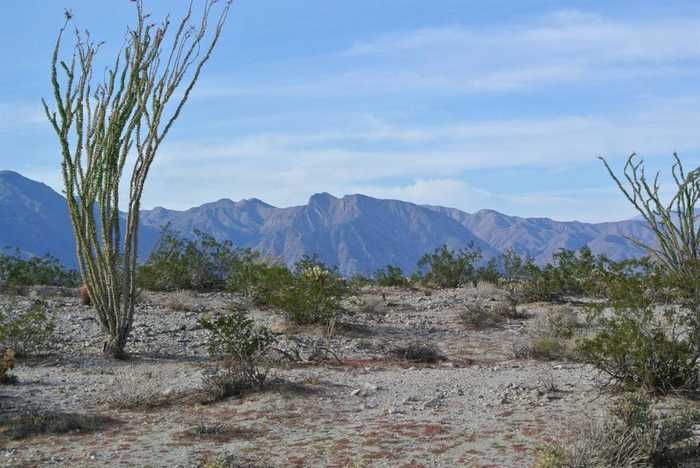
x=357, y=233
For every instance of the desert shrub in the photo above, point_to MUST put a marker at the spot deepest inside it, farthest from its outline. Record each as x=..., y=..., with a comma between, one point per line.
x=637, y=348
x=17, y=273
x=241, y=345
x=358, y=281
x=419, y=352
x=201, y=263
x=32, y=423
x=570, y=274
x=631, y=435
x=515, y=267
x=311, y=294
x=136, y=389
x=551, y=336
x=314, y=293
x=478, y=315
x=257, y=280
x=26, y=329
x=489, y=273
x=390, y=276
x=446, y=268
x=181, y=300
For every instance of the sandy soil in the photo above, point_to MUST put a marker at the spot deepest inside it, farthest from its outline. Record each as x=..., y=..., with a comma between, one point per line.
x=481, y=407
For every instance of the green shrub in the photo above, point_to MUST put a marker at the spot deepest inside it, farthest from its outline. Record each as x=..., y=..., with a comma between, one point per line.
x=16, y=273
x=390, y=276
x=570, y=274
x=256, y=280
x=201, y=264
x=26, y=329
x=313, y=295
x=241, y=345
x=489, y=273
x=635, y=348
x=236, y=335
x=446, y=268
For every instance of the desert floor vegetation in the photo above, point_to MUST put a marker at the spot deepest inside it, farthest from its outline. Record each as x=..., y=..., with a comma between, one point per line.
x=222, y=383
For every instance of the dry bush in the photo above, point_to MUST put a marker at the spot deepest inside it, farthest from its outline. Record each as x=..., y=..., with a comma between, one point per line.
x=180, y=301
x=232, y=377
x=419, y=352
x=633, y=434
x=34, y=423
x=480, y=316
x=551, y=336
x=137, y=389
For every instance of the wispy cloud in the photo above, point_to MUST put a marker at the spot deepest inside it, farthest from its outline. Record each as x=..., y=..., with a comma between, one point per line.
x=563, y=47
x=17, y=114
x=432, y=161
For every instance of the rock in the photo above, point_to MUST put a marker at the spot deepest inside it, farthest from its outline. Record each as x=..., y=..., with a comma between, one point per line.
x=280, y=326
x=371, y=403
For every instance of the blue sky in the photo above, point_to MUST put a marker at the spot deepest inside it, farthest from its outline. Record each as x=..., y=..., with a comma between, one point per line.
x=501, y=104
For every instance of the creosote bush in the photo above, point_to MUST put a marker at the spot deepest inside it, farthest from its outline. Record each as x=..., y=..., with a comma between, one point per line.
x=389, y=276
x=637, y=348
x=570, y=274
x=201, y=263
x=26, y=329
x=17, y=273
x=256, y=279
x=447, y=268
x=312, y=294
x=240, y=346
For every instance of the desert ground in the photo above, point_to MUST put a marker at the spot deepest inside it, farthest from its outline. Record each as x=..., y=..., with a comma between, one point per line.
x=346, y=401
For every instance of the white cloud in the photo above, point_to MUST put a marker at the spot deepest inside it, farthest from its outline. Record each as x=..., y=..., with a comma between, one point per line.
x=16, y=114
x=564, y=47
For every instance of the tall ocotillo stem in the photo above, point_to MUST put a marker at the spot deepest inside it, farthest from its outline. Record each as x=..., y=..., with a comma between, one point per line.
x=103, y=125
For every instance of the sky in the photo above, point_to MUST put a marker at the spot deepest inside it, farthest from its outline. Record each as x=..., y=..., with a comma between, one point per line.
x=501, y=105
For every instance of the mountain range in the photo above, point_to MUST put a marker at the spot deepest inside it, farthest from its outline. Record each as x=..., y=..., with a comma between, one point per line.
x=357, y=233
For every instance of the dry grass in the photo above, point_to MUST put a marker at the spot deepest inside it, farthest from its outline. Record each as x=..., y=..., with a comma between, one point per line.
x=480, y=316
x=551, y=336
x=33, y=423
x=138, y=389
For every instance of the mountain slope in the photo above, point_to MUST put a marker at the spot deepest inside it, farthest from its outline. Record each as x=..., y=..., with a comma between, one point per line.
x=542, y=237
x=34, y=218
x=357, y=233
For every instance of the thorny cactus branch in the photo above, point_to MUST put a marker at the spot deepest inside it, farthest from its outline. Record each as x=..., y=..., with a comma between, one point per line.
x=673, y=223
x=102, y=125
